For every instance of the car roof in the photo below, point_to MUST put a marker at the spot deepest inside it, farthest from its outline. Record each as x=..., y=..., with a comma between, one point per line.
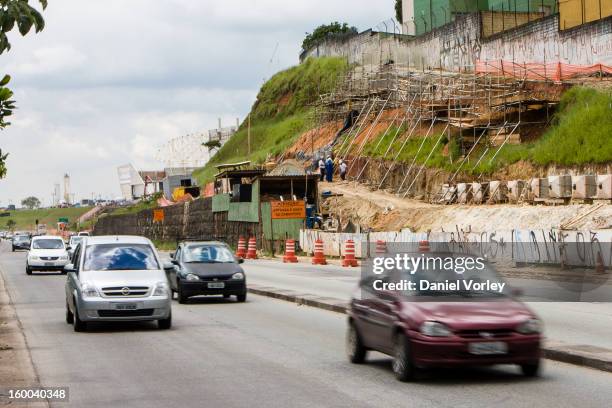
x=114, y=239
x=188, y=243
x=37, y=237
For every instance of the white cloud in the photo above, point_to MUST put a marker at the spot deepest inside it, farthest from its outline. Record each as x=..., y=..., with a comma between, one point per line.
x=107, y=82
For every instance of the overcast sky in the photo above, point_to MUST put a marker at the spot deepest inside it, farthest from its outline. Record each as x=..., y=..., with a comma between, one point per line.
x=108, y=82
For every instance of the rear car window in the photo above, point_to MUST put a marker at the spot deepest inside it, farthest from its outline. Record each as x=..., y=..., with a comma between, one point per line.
x=113, y=257
x=48, y=244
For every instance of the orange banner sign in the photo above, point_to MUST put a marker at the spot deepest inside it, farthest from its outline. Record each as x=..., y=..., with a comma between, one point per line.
x=158, y=215
x=288, y=209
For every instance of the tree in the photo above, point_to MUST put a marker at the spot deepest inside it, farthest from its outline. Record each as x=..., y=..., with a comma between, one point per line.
x=10, y=225
x=323, y=31
x=30, y=202
x=399, y=15
x=14, y=13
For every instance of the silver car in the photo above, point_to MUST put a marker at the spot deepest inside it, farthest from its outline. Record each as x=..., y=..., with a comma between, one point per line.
x=117, y=278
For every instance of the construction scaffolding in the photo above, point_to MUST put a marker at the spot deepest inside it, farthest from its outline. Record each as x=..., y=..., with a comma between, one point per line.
x=482, y=111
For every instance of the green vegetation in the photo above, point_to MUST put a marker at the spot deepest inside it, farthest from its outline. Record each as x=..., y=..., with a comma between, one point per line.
x=26, y=219
x=326, y=30
x=14, y=14
x=580, y=134
x=30, y=202
x=399, y=16
x=280, y=113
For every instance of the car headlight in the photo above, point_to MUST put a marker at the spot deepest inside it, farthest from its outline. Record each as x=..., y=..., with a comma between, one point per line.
x=191, y=277
x=89, y=291
x=63, y=258
x=238, y=276
x=161, y=289
x=33, y=258
x=531, y=326
x=435, y=329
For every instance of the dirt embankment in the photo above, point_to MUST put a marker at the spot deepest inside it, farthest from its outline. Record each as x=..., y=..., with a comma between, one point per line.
x=382, y=211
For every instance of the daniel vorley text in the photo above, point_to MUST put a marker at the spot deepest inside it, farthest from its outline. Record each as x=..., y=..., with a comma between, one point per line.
x=445, y=286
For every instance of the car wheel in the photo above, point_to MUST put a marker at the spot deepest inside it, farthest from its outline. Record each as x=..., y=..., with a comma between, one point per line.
x=241, y=298
x=355, y=349
x=165, y=324
x=531, y=370
x=69, y=315
x=77, y=323
x=182, y=299
x=13, y=249
x=28, y=270
x=402, y=359
x=171, y=294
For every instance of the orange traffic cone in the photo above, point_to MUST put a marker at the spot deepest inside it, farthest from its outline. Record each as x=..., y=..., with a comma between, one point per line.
x=290, y=252
x=349, y=254
x=423, y=246
x=242, y=251
x=381, y=247
x=319, y=256
x=252, y=252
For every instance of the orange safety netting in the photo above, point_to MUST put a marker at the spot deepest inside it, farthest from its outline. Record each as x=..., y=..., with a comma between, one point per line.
x=555, y=71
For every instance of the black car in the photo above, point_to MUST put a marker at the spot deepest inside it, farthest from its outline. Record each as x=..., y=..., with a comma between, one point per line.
x=21, y=242
x=206, y=268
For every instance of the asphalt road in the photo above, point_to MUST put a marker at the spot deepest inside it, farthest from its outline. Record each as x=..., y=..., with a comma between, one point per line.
x=579, y=323
x=264, y=353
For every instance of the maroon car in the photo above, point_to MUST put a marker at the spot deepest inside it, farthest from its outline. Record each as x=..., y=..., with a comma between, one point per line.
x=446, y=322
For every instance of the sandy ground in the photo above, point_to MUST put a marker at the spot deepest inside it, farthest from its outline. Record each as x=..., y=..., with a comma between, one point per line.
x=386, y=212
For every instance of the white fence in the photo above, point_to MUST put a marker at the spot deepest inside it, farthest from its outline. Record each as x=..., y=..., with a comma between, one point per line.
x=583, y=248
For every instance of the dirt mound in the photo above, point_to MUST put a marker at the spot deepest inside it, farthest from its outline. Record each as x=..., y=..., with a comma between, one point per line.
x=316, y=138
x=382, y=211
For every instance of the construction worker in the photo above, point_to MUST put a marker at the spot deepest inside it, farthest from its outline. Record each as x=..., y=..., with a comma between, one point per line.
x=321, y=169
x=343, y=168
x=329, y=169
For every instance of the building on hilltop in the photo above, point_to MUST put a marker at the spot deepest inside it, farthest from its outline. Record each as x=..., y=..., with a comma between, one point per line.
x=422, y=16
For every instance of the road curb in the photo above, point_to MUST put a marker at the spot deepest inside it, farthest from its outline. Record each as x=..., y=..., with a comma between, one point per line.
x=580, y=355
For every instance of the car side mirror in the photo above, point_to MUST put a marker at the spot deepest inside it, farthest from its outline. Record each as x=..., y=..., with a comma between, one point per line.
x=69, y=268
x=171, y=256
x=240, y=260
x=168, y=266
x=68, y=248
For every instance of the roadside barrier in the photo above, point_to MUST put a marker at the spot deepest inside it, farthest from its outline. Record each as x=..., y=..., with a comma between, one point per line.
x=252, y=252
x=381, y=247
x=242, y=251
x=349, y=254
x=290, y=252
x=319, y=257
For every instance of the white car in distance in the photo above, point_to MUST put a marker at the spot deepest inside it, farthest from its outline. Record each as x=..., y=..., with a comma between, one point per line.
x=47, y=253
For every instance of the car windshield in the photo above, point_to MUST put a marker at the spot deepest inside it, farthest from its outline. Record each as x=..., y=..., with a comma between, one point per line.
x=444, y=271
x=112, y=257
x=21, y=238
x=75, y=240
x=48, y=244
x=207, y=254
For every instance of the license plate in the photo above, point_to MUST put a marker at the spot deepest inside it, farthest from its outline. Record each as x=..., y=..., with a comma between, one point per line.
x=216, y=285
x=49, y=264
x=488, y=348
x=126, y=306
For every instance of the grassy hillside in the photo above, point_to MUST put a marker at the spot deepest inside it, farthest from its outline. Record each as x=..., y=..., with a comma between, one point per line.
x=280, y=113
x=581, y=132
x=26, y=219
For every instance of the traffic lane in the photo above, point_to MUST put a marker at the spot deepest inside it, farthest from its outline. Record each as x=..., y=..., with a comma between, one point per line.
x=569, y=322
x=261, y=353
